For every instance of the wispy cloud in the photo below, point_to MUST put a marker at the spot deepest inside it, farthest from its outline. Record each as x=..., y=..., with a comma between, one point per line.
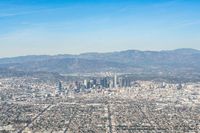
x=30, y=11
x=18, y=13
x=185, y=24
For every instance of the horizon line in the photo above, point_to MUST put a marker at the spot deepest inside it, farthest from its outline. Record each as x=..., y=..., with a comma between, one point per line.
x=26, y=55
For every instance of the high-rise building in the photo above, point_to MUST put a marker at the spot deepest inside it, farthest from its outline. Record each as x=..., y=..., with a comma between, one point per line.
x=89, y=85
x=58, y=88
x=104, y=82
x=115, y=80
x=94, y=81
x=78, y=84
x=111, y=83
x=85, y=83
x=125, y=82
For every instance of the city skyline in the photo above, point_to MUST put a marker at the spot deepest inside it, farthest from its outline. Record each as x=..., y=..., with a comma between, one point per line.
x=72, y=27
x=99, y=66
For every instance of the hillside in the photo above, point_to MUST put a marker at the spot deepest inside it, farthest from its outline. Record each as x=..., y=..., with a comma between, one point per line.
x=131, y=61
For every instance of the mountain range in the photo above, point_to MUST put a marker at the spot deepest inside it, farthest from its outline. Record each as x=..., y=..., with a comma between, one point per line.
x=129, y=61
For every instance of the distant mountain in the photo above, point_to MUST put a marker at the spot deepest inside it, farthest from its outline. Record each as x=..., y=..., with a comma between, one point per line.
x=131, y=61
x=155, y=58
x=42, y=76
x=65, y=65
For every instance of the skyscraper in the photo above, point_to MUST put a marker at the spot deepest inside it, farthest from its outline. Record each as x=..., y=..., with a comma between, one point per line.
x=85, y=83
x=115, y=80
x=104, y=82
x=59, y=88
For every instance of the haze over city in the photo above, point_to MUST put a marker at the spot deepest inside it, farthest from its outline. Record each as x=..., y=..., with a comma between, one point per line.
x=78, y=26
x=99, y=66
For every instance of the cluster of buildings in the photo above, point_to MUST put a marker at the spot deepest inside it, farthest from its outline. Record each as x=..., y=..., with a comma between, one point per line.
x=114, y=104
x=107, y=82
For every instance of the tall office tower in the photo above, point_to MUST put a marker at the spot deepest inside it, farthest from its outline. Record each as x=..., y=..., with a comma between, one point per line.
x=104, y=82
x=78, y=85
x=125, y=82
x=129, y=83
x=85, y=83
x=89, y=85
x=115, y=80
x=94, y=81
x=59, y=88
x=111, y=84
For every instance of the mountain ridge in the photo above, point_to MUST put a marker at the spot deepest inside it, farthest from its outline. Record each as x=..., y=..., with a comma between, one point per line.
x=132, y=61
x=130, y=50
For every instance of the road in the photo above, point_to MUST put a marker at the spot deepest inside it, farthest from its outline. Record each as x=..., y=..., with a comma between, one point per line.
x=21, y=130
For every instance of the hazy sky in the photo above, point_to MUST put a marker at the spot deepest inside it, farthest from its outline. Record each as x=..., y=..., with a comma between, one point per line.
x=77, y=26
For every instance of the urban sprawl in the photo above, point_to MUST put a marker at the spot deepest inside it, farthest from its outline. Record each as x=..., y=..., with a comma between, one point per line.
x=108, y=103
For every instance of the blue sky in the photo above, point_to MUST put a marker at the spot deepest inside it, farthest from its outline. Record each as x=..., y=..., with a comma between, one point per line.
x=75, y=26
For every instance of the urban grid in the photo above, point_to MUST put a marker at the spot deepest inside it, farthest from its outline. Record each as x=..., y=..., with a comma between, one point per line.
x=104, y=104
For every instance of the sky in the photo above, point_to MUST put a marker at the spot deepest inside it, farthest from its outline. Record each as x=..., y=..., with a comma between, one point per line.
x=34, y=27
